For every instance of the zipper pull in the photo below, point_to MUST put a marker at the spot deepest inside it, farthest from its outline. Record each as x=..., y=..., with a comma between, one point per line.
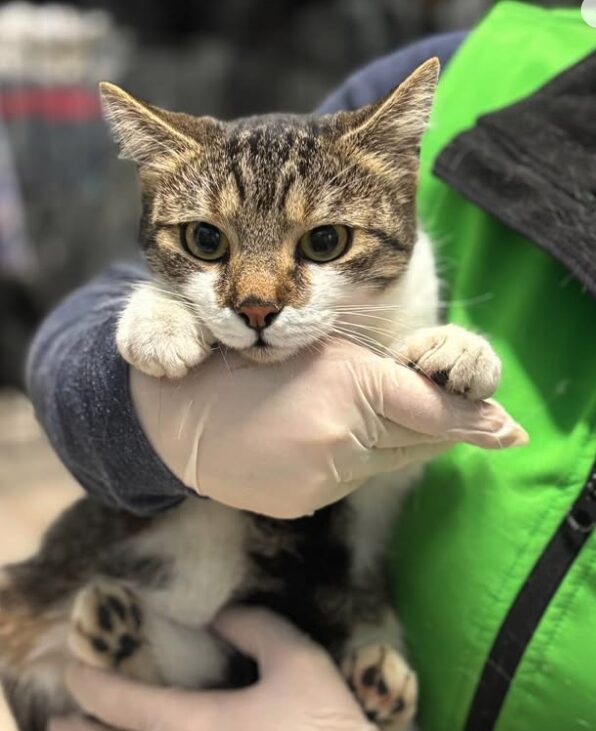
x=582, y=516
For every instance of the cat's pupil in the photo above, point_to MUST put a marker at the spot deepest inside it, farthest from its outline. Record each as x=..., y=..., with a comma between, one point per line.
x=207, y=238
x=324, y=239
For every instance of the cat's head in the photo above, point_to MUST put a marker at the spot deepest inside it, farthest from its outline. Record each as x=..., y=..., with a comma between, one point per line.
x=270, y=227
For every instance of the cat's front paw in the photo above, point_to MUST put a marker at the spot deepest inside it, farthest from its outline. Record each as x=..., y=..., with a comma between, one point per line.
x=384, y=684
x=159, y=335
x=460, y=361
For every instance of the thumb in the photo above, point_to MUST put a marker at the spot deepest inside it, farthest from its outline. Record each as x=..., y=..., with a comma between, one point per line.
x=263, y=635
x=133, y=706
x=74, y=724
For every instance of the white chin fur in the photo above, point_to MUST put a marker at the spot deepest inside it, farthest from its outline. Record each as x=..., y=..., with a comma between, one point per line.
x=268, y=355
x=293, y=329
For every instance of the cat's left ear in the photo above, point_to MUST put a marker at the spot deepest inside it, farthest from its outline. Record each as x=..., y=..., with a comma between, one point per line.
x=156, y=139
x=392, y=127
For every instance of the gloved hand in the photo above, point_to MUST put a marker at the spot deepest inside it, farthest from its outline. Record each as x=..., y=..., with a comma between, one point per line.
x=289, y=438
x=300, y=689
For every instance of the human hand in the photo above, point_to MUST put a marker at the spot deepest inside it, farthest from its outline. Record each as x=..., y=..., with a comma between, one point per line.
x=289, y=438
x=300, y=689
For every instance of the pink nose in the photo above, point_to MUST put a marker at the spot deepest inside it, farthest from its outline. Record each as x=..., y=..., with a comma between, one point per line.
x=258, y=317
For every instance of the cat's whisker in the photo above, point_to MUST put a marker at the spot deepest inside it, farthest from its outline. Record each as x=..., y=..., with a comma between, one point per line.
x=368, y=328
x=368, y=342
x=477, y=300
x=173, y=294
x=392, y=332
x=351, y=313
x=393, y=317
x=222, y=350
x=379, y=349
x=368, y=345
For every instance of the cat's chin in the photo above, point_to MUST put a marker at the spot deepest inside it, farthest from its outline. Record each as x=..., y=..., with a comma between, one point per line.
x=268, y=354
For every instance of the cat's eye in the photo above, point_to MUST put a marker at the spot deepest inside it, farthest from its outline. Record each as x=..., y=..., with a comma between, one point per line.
x=204, y=241
x=324, y=243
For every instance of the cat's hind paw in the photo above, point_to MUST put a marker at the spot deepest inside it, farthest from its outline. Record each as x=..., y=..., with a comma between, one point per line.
x=384, y=684
x=106, y=631
x=456, y=359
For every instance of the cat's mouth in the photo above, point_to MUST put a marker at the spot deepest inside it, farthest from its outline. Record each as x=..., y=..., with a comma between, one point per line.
x=272, y=344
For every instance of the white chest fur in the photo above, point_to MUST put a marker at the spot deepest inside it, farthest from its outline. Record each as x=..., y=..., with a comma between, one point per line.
x=205, y=543
x=376, y=505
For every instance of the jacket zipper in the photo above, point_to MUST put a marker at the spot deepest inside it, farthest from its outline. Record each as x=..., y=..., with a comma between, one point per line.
x=529, y=607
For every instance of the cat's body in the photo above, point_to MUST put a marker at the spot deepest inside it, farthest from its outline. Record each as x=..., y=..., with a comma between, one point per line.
x=177, y=572
x=137, y=596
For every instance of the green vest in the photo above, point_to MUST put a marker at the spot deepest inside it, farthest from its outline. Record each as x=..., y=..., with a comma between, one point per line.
x=470, y=536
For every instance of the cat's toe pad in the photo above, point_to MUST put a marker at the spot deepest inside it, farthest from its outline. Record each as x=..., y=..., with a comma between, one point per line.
x=456, y=359
x=106, y=625
x=384, y=684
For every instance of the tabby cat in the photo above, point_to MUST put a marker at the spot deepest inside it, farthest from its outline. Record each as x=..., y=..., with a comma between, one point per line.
x=264, y=235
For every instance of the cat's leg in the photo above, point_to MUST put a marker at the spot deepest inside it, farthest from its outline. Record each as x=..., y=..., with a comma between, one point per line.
x=459, y=360
x=158, y=333
x=112, y=628
x=33, y=657
x=379, y=675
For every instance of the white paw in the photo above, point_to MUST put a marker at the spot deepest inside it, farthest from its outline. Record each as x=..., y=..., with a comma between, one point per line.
x=384, y=684
x=158, y=335
x=457, y=359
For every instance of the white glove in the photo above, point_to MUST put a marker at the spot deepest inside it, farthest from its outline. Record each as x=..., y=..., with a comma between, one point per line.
x=300, y=689
x=288, y=438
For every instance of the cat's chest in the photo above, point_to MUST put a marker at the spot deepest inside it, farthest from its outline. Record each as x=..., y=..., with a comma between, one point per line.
x=204, y=544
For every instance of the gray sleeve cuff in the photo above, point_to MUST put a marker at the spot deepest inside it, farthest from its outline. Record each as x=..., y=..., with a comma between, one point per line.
x=79, y=386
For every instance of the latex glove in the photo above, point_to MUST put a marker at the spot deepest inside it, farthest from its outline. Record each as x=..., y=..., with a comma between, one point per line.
x=300, y=689
x=288, y=438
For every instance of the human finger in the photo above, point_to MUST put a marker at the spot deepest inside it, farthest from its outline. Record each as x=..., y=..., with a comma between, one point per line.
x=133, y=706
x=264, y=636
x=410, y=400
x=73, y=723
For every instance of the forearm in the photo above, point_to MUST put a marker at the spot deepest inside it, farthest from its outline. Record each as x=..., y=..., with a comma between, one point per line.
x=78, y=384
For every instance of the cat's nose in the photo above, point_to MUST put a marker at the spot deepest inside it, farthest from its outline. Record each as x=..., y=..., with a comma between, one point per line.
x=260, y=316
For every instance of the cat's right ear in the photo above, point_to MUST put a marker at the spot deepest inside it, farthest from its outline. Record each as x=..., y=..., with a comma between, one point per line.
x=145, y=134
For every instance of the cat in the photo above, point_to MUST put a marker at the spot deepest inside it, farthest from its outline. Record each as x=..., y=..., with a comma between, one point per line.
x=263, y=235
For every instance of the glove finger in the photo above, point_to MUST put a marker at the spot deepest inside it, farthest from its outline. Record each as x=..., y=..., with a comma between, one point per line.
x=133, y=706
x=74, y=724
x=393, y=436
x=506, y=434
x=408, y=399
x=380, y=461
x=264, y=636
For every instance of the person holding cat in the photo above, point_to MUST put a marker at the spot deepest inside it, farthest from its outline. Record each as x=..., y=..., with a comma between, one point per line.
x=447, y=535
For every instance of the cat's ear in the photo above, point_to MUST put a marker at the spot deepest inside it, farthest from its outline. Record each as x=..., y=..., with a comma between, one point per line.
x=393, y=126
x=149, y=136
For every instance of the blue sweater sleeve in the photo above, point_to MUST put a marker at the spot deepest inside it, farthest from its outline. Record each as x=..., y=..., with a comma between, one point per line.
x=79, y=387
x=78, y=382
x=378, y=78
